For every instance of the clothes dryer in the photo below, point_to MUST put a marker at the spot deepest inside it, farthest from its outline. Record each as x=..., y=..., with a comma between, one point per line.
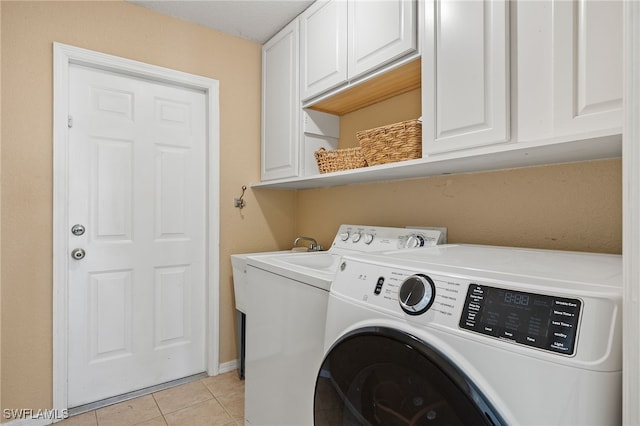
x=461, y=335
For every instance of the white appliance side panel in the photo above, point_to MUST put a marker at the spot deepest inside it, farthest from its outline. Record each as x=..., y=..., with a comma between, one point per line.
x=284, y=348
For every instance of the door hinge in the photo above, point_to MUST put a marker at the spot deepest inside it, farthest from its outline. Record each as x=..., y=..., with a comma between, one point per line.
x=70, y=121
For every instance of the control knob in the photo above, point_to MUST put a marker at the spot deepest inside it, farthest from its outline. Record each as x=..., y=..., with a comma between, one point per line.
x=356, y=237
x=416, y=294
x=414, y=241
x=344, y=236
x=368, y=238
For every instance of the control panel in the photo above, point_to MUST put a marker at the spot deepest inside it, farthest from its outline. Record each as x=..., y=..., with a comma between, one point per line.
x=571, y=314
x=380, y=238
x=541, y=321
x=424, y=299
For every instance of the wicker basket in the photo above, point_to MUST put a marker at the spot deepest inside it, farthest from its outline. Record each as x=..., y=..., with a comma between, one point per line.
x=339, y=159
x=395, y=142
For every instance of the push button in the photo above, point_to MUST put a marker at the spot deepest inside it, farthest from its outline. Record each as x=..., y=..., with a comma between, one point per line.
x=379, y=284
x=560, y=346
x=506, y=334
x=560, y=335
x=562, y=330
x=559, y=324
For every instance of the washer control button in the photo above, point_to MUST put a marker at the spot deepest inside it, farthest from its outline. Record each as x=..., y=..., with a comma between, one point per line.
x=416, y=294
x=344, y=236
x=356, y=237
x=368, y=238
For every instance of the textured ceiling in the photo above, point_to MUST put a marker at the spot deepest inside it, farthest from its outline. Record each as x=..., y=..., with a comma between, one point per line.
x=255, y=20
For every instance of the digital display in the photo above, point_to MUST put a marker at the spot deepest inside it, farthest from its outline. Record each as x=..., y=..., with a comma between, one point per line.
x=516, y=298
x=540, y=321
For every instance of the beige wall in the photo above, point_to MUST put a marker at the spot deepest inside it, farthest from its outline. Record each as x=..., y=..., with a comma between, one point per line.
x=122, y=29
x=399, y=108
x=566, y=207
x=575, y=206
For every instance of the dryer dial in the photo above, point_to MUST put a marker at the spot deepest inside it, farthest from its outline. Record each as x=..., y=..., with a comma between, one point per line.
x=416, y=294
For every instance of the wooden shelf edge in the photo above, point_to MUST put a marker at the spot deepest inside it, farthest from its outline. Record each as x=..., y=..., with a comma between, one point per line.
x=401, y=77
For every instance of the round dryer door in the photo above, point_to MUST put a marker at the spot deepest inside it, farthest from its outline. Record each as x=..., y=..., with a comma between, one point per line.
x=381, y=376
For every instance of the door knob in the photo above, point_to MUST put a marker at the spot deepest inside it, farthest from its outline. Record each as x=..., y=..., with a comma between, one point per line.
x=77, y=230
x=78, y=254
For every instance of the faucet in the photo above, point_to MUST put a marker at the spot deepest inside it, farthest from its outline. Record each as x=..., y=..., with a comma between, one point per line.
x=314, y=246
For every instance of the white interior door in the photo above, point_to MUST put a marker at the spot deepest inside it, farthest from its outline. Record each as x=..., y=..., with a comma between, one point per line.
x=137, y=181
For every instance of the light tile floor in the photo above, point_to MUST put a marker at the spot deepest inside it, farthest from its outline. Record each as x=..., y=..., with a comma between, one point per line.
x=212, y=401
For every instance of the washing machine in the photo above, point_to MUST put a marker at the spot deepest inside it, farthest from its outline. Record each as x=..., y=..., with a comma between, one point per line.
x=286, y=307
x=473, y=335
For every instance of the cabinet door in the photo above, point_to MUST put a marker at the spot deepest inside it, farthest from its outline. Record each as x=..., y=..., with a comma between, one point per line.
x=280, y=105
x=465, y=80
x=380, y=32
x=532, y=71
x=323, y=46
x=587, y=60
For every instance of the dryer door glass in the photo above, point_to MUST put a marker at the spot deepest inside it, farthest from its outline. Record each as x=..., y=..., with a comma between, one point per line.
x=381, y=376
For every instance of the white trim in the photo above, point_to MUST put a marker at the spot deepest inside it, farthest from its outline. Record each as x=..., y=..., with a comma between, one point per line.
x=631, y=216
x=29, y=422
x=225, y=367
x=63, y=56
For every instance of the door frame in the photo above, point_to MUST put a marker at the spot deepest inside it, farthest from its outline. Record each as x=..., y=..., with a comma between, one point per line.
x=63, y=57
x=631, y=215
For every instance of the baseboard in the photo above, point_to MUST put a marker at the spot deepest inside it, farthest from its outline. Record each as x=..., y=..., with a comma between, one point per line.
x=35, y=418
x=225, y=367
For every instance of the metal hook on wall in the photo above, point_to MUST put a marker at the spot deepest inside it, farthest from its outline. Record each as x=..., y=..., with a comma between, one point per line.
x=239, y=202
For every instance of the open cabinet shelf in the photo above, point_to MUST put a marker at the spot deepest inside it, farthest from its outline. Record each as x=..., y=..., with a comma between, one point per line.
x=495, y=157
x=378, y=88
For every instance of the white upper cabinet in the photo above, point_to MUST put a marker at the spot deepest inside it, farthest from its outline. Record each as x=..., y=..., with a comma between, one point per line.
x=323, y=46
x=505, y=83
x=280, y=105
x=569, y=69
x=343, y=40
x=379, y=32
x=588, y=53
x=465, y=80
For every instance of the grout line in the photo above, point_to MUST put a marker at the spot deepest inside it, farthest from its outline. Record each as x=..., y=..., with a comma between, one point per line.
x=226, y=410
x=153, y=395
x=190, y=405
x=233, y=419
